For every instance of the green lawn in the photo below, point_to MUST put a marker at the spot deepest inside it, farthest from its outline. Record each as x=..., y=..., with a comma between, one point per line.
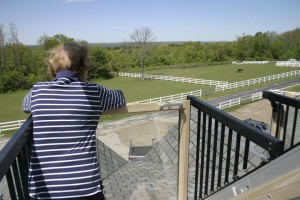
x=224, y=72
x=11, y=106
x=136, y=89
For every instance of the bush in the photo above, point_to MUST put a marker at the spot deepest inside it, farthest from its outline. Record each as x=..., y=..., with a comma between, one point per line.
x=100, y=73
x=15, y=80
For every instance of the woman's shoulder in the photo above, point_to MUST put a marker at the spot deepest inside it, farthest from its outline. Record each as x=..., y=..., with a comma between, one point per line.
x=39, y=84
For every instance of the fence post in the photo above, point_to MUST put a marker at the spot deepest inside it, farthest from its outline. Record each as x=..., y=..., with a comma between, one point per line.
x=184, y=139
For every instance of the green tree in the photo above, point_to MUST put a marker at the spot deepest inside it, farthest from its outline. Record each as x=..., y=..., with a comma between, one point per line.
x=99, y=61
x=47, y=42
x=120, y=59
x=2, y=49
x=291, y=43
x=261, y=46
x=12, y=81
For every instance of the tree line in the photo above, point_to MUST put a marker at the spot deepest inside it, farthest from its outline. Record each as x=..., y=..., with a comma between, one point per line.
x=22, y=65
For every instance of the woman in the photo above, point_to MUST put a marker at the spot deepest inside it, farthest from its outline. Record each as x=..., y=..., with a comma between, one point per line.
x=66, y=113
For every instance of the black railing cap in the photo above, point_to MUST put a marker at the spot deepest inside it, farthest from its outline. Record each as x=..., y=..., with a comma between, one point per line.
x=272, y=96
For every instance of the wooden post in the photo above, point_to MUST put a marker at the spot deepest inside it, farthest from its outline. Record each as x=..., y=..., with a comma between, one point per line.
x=278, y=118
x=183, y=157
x=274, y=118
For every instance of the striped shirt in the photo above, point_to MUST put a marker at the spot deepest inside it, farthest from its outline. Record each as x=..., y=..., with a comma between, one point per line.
x=65, y=115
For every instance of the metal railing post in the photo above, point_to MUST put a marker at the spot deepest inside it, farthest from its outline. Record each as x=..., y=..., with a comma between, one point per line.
x=184, y=139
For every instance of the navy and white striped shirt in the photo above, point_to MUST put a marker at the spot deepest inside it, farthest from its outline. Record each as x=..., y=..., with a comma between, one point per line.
x=65, y=115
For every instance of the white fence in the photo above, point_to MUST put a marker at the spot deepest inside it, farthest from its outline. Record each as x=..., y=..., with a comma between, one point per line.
x=174, y=97
x=250, y=62
x=174, y=79
x=288, y=63
x=230, y=103
x=235, y=102
x=13, y=125
x=256, y=81
x=256, y=96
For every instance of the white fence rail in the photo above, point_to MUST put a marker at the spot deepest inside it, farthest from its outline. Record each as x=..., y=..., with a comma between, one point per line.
x=235, y=102
x=250, y=62
x=256, y=96
x=288, y=63
x=256, y=81
x=230, y=103
x=174, y=79
x=12, y=125
x=174, y=97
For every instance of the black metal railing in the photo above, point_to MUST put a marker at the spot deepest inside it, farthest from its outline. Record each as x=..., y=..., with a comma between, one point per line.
x=285, y=119
x=226, y=148
x=14, y=159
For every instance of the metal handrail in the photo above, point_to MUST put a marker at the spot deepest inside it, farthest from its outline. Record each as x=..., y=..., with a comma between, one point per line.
x=14, y=161
x=272, y=96
x=264, y=140
x=284, y=118
x=14, y=146
x=17, y=150
x=218, y=161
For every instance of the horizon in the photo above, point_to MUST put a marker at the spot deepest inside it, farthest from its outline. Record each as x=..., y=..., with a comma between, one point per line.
x=99, y=21
x=117, y=43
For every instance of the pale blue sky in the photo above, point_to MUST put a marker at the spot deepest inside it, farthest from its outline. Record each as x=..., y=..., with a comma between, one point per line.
x=170, y=20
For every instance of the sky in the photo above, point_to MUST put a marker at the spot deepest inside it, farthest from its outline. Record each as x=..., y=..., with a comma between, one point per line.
x=108, y=21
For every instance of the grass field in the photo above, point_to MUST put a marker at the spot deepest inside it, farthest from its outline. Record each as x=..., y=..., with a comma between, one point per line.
x=224, y=72
x=136, y=89
x=11, y=106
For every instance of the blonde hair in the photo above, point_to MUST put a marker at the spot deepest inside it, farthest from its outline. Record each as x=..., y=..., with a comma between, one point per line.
x=71, y=56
